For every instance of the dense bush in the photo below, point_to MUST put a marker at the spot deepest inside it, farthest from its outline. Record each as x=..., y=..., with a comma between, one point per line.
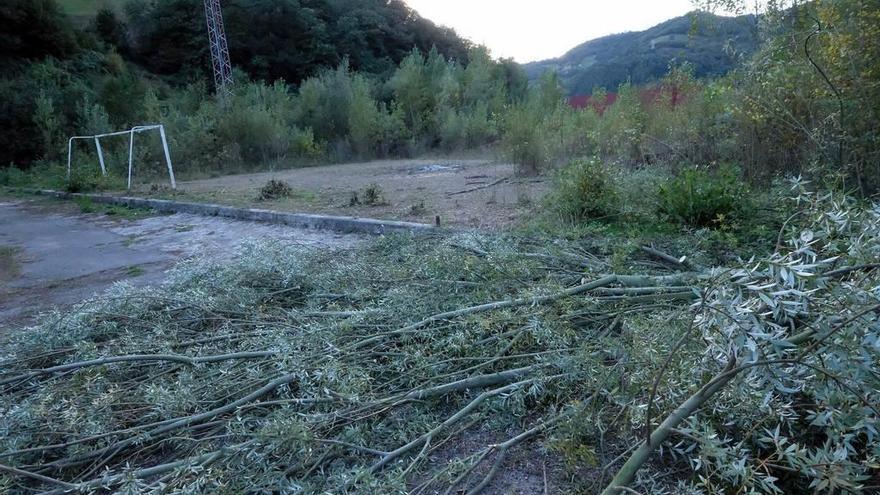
x=86, y=179
x=621, y=131
x=585, y=189
x=335, y=115
x=700, y=198
x=808, y=102
x=340, y=108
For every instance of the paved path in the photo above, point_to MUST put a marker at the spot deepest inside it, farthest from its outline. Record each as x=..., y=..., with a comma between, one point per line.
x=62, y=257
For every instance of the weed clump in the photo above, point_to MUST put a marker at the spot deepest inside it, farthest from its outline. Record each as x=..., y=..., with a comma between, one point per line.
x=10, y=267
x=13, y=177
x=373, y=195
x=699, y=198
x=85, y=204
x=275, y=189
x=418, y=209
x=87, y=180
x=585, y=190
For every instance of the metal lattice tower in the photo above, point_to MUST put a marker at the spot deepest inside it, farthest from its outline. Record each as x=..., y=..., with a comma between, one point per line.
x=219, y=48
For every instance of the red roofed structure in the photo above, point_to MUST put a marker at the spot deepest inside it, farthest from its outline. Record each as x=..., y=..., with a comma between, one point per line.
x=648, y=96
x=584, y=101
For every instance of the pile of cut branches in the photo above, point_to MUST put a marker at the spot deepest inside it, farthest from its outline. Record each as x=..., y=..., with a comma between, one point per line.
x=422, y=365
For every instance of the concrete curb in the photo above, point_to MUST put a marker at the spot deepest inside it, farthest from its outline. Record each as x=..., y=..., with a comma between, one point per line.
x=298, y=220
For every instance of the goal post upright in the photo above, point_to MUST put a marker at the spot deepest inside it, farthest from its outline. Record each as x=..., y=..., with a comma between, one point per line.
x=130, y=133
x=167, y=158
x=130, y=157
x=100, y=156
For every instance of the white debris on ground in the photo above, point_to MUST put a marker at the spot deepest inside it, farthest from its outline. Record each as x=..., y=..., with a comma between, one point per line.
x=186, y=235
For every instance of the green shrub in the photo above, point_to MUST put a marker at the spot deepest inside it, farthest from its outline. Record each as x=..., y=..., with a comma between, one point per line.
x=543, y=130
x=374, y=196
x=41, y=174
x=87, y=179
x=638, y=192
x=257, y=121
x=451, y=129
x=86, y=205
x=12, y=176
x=479, y=127
x=304, y=145
x=699, y=198
x=585, y=190
x=363, y=117
x=525, y=142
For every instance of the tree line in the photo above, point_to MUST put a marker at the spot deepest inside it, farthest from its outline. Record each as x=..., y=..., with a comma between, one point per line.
x=806, y=103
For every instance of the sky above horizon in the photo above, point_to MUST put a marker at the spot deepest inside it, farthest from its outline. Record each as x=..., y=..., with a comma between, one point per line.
x=526, y=30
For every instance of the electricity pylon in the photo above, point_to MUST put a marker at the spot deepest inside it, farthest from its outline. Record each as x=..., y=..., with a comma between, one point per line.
x=219, y=48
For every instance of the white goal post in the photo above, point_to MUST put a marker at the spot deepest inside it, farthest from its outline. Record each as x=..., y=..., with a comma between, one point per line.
x=131, y=132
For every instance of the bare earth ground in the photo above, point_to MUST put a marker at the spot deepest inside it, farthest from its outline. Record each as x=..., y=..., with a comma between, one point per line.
x=472, y=193
x=56, y=256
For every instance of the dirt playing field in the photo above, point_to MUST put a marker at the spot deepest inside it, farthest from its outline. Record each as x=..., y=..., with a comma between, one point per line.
x=51, y=254
x=472, y=193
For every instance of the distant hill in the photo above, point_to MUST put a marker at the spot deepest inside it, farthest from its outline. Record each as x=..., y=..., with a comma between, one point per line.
x=709, y=42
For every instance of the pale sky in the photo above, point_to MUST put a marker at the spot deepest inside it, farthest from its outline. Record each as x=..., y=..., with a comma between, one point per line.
x=530, y=30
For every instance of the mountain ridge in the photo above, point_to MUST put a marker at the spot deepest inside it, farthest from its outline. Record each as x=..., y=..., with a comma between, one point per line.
x=712, y=44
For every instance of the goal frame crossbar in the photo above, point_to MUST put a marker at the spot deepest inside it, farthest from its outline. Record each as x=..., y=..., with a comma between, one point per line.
x=131, y=132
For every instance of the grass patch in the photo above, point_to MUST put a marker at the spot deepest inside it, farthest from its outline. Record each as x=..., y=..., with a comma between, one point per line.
x=126, y=212
x=50, y=175
x=134, y=271
x=620, y=209
x=10, y=268
x=298, y=199
x=88, y=206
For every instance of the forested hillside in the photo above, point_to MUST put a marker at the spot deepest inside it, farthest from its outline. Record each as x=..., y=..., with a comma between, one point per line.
x=270, y=39
x=62, y=76
x=711, y=44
